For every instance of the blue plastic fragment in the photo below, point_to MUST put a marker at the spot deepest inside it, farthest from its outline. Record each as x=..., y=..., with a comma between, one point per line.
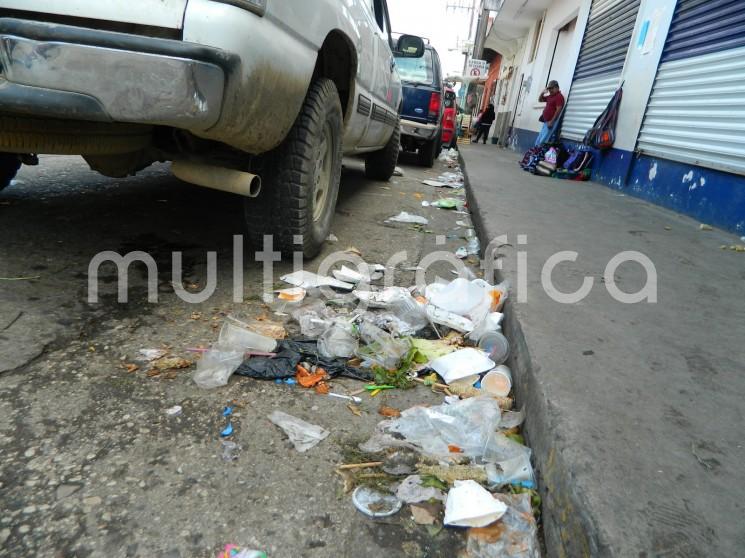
x=477, y=385
x=227, y=411
x=290, y=381
x=278, y=381
x=227, y=431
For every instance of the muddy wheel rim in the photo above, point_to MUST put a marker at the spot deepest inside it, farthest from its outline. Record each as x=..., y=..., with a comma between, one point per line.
x=322, y=174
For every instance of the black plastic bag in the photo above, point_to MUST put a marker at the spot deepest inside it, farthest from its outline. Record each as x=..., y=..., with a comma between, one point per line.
x=292, y=353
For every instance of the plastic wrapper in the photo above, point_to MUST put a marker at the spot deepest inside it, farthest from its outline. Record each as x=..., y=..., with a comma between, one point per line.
x=338, y=341
x=516, y=470
x=449, y=319
x=382, y=348
x=435, y=431
x=410, y=316
x=303, y=435
x=411, y=491
x=216, y=366
x=314, y=318
x=405, y=217
x=391, y=323
x=513, y=536
x=512, y=419
x=475, y=300
x=499, y=447
x=310, y=280
x=492, y=322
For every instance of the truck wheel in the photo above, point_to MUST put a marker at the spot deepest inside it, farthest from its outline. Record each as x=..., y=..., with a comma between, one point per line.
x=9, y=165
x=380, y=165
x=427, y=153
x=301, y=177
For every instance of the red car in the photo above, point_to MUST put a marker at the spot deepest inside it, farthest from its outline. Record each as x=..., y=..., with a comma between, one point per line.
x=449, y=119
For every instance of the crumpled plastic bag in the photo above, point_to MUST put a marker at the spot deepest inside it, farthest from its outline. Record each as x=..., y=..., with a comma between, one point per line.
x=499, y=447
x=411, y=491
x=338, y=341
x=474, y=299
x=381, y=347
x=405, y=217
x=292, y=353
x=303, y=435
x=514, y=536
x=216, y=366
x=434, y=431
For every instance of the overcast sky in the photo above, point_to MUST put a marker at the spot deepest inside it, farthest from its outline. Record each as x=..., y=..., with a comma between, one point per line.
x=432, y=19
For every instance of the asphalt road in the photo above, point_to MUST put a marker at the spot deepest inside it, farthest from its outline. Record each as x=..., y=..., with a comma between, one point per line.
x=90, y=464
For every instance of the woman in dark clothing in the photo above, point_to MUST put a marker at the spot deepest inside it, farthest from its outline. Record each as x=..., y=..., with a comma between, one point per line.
x=485, y=122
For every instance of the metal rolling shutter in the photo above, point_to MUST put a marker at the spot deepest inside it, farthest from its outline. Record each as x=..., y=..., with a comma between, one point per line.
x=696, y=113
x=600, y=63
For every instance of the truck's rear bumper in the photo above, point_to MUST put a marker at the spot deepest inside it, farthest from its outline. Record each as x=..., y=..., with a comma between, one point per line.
x=418, y=130
x=70, y=72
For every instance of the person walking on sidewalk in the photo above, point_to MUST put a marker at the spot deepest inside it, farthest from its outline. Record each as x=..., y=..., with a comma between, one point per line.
x=485, y=121
x=554, y=103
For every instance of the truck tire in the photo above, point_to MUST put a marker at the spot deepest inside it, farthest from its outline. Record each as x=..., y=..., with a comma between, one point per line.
x=301, y=178
x=61, y=137
x=427, y=153
x=380, y=165
x=9, y=165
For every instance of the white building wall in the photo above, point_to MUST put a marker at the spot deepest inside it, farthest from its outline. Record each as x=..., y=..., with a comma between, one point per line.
x=536, y=72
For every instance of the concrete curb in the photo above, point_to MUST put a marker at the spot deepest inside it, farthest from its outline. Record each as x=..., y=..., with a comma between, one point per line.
x=569, y=530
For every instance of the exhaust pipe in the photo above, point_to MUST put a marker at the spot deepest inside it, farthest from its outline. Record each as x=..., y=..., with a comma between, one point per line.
x=218, y=178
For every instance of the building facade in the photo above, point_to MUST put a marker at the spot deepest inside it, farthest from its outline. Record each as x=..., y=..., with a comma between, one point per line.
x=680, y=138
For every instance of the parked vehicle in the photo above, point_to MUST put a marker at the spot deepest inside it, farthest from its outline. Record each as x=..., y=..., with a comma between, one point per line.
x=421, y=116
x=449, y=119
x=254, y=97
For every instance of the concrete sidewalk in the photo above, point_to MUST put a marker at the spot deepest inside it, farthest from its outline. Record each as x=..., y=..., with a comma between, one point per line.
x=635, y=411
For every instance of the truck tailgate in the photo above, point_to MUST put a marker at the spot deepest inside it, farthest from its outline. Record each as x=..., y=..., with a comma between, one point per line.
x=416, y=103
x=155, y=13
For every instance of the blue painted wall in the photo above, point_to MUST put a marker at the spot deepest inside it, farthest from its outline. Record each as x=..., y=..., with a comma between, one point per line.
x=711, y=196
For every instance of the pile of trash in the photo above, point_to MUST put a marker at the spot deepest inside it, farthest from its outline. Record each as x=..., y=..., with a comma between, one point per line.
x=449, y=157
x=463, y=464
x=464, y=459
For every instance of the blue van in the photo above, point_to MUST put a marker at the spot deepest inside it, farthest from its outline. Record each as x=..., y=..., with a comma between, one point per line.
x=421, y=113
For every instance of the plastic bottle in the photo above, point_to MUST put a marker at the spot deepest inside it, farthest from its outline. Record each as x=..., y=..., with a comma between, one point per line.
x=473, y=247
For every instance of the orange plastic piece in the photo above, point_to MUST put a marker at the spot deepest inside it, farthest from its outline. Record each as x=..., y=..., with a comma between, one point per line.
x=322, y=388
x=496, y=296
x=309, y=379
x=389, y=411
x=454, y=449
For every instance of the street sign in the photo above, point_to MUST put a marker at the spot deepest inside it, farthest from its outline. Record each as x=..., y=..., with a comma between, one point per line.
x=477, y=68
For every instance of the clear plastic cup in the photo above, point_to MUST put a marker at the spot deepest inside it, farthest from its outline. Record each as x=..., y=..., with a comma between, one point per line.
x=496, y=345
x=235, y=335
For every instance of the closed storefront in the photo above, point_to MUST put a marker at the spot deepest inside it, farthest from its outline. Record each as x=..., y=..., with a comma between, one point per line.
x=696, y=113
x=600, y=64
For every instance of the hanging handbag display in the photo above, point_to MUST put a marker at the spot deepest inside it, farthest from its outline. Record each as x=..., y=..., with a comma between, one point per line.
x=602, y=135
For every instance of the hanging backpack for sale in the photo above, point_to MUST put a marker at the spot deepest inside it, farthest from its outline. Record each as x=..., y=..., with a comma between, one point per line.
x=602, y=135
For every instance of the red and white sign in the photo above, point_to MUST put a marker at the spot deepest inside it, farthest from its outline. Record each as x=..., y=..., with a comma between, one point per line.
x=477, y=68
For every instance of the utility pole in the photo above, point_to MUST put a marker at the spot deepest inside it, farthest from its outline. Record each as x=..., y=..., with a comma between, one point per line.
x=471, y=6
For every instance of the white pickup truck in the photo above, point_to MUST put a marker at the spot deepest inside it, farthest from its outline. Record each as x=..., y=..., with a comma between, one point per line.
x=256, y=97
